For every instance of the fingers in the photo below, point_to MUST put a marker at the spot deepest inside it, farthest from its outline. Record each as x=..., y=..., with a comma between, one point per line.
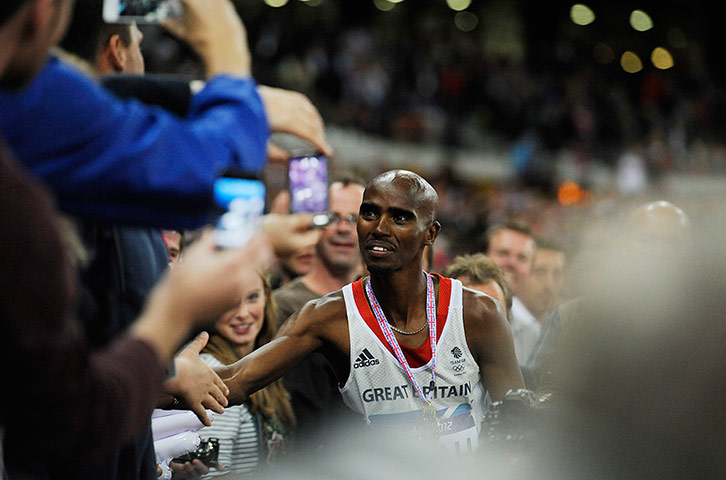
x=211, y=403
x=198, y=343
x=276, y=154
x=219, y=383
x=201, y=413
x=281, y=203
x=289, y=233
x=199, y=467
x=216, y=399
x=294, y=113
x=175, y=27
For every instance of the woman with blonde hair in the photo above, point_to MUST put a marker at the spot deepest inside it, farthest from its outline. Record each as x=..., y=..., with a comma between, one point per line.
x=252, y=434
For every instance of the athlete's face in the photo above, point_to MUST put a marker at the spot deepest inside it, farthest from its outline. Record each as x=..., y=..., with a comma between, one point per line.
x=394, y=225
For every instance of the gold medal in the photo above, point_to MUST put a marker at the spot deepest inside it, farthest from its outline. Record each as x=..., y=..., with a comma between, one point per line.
x=427, y=427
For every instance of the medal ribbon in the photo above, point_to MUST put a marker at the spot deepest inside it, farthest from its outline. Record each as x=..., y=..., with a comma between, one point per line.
x=391, y=338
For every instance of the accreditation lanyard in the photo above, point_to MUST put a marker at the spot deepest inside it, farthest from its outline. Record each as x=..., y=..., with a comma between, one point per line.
x=391, y=338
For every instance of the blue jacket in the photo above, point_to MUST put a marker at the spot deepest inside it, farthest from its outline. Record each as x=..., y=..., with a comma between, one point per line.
x=122, y=161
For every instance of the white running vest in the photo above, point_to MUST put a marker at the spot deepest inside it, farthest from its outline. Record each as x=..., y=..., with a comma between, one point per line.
x=379, y=389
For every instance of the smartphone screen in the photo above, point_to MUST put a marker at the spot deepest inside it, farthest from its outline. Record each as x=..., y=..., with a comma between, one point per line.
x=140, y=11
x=240, y=203
x=308, y=181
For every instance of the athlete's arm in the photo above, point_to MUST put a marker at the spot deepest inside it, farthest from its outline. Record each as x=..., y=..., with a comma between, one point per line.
x=318, y=323
x=490, y=341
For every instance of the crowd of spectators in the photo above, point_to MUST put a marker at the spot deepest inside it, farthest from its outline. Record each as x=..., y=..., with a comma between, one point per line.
x=411, y=74
x=106, y=270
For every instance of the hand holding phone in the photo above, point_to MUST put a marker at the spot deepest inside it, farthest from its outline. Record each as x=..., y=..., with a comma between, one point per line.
x=308, y=180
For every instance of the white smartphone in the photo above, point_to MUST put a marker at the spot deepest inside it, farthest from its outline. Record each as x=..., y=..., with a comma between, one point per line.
x=140, y=11
x=240, y=204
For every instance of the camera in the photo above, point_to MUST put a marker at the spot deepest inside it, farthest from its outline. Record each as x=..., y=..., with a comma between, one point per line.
x=207, y=453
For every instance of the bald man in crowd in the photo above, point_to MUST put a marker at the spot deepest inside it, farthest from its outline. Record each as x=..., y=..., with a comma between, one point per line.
x=380, y=333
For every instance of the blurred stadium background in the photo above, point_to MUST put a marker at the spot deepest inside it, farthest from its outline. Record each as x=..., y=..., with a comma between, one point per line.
x=556, y=113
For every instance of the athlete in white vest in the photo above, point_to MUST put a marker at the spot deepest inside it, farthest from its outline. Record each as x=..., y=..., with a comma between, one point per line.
x=416, y=352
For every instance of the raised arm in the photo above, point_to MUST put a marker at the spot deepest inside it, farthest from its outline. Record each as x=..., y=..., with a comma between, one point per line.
x=490, y=340
x=319, y=323
x=121, y=161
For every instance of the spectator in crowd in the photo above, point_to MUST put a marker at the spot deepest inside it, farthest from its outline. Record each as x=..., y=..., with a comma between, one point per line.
x=81, y=404
x=251, y=434
x=512, y=247
x=174, y=241
x=479, y=272
x=652, y=329
x=396, y=220
x=541, y=292
x=656, y=230
x=225, y=53
x=226, y=127
x=312, y=384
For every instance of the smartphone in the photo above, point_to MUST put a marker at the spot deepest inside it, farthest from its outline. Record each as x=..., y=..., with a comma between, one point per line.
x=140, y=11
x=239, y=204
x=308, y=182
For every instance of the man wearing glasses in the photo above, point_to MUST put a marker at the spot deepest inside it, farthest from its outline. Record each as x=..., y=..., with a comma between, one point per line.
x=312, y=384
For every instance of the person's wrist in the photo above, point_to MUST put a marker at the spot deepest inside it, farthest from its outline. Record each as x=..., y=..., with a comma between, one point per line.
x=235, y=63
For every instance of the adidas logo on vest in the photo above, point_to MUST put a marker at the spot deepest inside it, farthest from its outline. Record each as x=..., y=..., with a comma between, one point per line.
x=365, y=359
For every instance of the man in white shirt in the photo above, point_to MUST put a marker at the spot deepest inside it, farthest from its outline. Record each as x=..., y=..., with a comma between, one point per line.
x=512, y=247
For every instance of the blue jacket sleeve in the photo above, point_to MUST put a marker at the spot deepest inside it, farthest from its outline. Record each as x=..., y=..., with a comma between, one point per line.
x=122, y=161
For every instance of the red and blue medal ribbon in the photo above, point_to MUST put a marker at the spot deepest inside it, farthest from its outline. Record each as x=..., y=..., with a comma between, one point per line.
x=391, y=338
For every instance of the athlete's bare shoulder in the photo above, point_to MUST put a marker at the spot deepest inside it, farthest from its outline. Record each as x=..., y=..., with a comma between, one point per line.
x=328, y=305
x=322, y=317
x=480, y=305
x=484, y=322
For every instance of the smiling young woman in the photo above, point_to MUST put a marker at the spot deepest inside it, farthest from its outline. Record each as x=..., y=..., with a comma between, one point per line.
x=250, y=434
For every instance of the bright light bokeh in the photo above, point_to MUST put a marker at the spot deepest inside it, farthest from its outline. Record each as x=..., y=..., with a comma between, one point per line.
x=458, y=5
x=384, y=5
x=581, y=14
x=630, y=62
x=661, y=58
x=640, y=21
x=276, y=3
x=466, y=21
